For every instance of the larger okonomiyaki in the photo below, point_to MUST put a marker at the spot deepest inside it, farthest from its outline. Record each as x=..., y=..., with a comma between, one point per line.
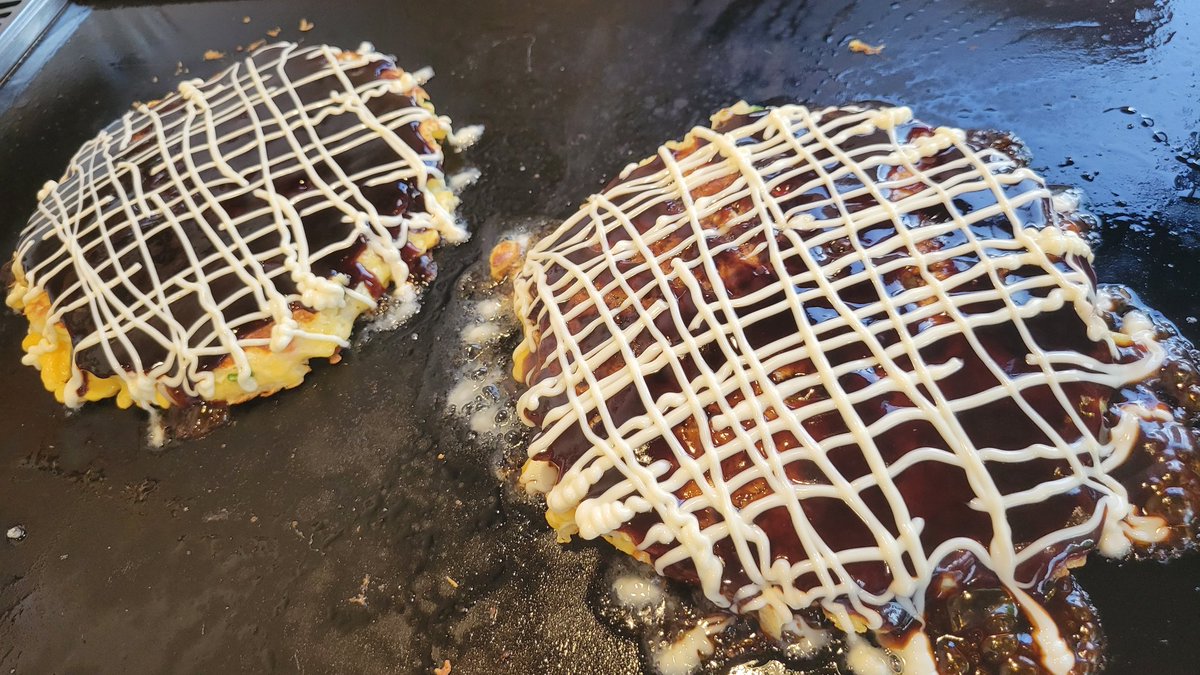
x=839, y=359
x=206, y=246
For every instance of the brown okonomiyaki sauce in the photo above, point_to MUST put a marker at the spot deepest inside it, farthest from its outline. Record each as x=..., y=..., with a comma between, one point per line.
x=322, y=228
x=973, y=622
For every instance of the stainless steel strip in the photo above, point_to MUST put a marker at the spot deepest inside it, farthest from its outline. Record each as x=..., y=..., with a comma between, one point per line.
x=22, y=24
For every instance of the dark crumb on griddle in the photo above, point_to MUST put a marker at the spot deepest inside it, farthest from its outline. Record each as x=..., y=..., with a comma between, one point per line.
x=138, y=492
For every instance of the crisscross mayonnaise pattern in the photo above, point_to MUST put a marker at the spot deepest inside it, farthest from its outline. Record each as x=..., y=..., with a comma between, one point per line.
x=750, y=162
x=165, y=167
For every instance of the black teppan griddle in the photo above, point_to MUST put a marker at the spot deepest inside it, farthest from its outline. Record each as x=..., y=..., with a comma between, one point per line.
x=241, y=552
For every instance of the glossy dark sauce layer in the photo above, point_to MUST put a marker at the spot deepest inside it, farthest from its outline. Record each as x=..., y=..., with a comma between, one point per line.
x=938, y=493
x=976, y=626
x=322, y=228
x=1162, y=474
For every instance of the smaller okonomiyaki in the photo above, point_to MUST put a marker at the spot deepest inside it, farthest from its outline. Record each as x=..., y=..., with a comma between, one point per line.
x=206, y=246
x=842, y=360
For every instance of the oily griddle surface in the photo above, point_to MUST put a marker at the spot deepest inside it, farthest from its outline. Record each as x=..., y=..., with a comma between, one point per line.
x=251, y=550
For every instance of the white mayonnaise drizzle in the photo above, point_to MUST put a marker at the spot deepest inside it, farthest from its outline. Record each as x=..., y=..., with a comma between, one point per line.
x=863, y=658
x=203, y=137
x=749, y=161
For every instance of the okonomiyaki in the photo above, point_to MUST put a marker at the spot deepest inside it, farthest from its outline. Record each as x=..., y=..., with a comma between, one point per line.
x=204, y=247
x=838, y=365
